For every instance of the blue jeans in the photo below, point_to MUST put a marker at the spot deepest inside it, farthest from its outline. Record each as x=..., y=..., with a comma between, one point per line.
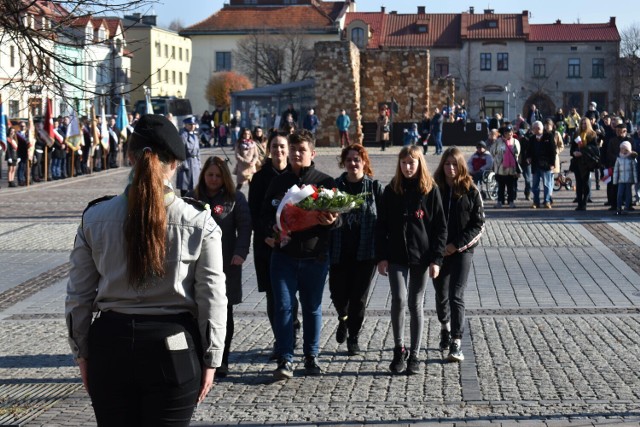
x=437, y=138
x=306, y=276
x=624, y=195
x=526, y=175
x=56, y=168
x=547, y=182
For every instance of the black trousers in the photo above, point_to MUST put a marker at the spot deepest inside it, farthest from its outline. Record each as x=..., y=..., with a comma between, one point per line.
x=139, y=378
x=349, y=285
x=509, y=183
x=583, y=187
x=449, y=286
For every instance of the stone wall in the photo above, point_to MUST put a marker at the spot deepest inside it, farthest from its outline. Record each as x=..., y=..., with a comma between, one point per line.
x=401, y=74
x=337, y=86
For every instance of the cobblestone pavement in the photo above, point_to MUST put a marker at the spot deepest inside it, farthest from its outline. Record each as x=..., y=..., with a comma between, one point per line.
x=552, y=333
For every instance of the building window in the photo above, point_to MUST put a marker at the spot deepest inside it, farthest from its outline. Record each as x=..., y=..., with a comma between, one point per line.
x=539, y=67
x=441, y=67
x=290, y=1
x=173, y=77
x=180, y=54
x=166, y=50
x=574, y=68
x=12, y=56
x=357, y=37
x=158, y=49
x=539, y=48
x=492, y=23
x=180, y=77
x=485, y=62
x=574, y=48
x=223, y=61
x=187, y=55
x=166, y=76
x=250, y=1
x=14, y=108
x=493, y=107
x=597, y=68
x=503, y=61
x=173, y=52
x=598, y=47
x=573, y=100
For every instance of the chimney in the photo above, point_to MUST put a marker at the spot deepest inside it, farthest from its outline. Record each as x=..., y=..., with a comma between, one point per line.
x=612, y=21
x=558, y=21
x=471, y=10
x=488, y=11
x=393, y=12
x=422, y=10
x=383, y=9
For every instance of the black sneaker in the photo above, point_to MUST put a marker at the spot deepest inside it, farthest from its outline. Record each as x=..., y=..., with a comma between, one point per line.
x=413, y=364
x=353, y=349
x=311, y=366
x=284, y=371
x=341, y=332
x=399, y=363
x=455, y=353
x=445, y=339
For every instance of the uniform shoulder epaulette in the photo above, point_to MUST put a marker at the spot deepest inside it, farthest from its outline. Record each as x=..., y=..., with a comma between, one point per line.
x=196, y=203
x=96, y=201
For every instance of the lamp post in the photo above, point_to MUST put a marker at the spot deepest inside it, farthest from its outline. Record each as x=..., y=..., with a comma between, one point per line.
x=507, y=89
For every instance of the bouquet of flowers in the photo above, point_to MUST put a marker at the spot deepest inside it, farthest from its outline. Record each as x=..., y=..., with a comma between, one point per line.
x=300, y=207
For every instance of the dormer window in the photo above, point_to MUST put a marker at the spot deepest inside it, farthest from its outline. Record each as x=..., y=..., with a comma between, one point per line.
x=492, y=23
x=358, y=37
x=422, y=25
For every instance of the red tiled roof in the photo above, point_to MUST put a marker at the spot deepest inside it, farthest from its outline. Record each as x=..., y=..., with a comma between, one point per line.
x=557, y=32
x=308, y=18
x=393, y=30
x=475, y=26
x=112, y=25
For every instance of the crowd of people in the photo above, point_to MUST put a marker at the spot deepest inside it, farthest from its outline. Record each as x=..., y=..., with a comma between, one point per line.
x=31, y=160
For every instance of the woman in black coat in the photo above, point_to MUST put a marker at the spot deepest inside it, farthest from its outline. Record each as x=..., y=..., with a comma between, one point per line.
x=464, y=211
x=230, y=210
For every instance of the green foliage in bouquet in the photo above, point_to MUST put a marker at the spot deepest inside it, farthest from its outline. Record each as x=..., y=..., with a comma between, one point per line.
x=332, y=200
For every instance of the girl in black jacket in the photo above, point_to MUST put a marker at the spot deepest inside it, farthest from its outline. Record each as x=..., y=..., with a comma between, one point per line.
x=411, y=234
x=465, y=224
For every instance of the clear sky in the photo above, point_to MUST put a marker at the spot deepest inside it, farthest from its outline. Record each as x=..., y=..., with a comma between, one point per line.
x=542, y=11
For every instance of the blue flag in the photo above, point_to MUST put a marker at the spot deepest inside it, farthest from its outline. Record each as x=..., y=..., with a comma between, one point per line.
x=122, y=120
x=3, y=128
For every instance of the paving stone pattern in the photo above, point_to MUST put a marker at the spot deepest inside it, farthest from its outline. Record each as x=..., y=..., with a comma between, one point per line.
x=553, y=326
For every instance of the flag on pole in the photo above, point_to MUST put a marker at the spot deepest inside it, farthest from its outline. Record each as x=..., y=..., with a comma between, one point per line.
x=3, y=128
x=147, y=97
x=104, y=129
x=31, y=137
x=122, y=121
x=46, y=132
x=74, y=135
x=95, y=135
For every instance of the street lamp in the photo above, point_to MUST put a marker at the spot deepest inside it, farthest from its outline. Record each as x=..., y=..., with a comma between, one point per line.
x=507, y=89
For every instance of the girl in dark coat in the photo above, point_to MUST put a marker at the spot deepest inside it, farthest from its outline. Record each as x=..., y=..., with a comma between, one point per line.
x=230, y=210
x=411, y=234
x=463, y=208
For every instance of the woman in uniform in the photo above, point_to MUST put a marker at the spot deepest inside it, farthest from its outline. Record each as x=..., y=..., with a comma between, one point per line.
x=150, y=264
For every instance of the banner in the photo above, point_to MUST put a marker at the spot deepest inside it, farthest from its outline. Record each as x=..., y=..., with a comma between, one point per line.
x=46, y=133
x=104, y=128
x=74, y=135
x=31, y=137
x=147, y=97
x=3, y=129
x=122, y=121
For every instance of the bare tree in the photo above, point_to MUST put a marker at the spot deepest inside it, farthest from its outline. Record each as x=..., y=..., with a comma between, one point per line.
x=43, y=38
x=629, y=67
x=275, y=58
x=176, y=25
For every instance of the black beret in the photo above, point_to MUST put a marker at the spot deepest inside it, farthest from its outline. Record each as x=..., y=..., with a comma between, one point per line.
x=159, y=134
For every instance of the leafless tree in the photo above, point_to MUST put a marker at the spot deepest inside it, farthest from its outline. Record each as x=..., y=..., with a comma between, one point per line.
x=43, y=38
x=176, y=25
x=275, y=58
x=629, y=67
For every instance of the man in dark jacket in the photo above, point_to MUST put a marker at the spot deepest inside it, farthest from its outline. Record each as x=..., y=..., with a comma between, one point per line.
x=534, y=115
x=301, y=263
x=541, y=155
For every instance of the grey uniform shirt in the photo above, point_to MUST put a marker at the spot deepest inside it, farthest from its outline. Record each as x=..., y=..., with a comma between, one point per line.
x=194, y=281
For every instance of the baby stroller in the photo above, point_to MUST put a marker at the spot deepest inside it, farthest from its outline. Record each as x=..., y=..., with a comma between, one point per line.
x=489, y=185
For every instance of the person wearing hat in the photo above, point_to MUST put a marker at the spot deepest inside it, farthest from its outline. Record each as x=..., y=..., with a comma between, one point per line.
x=189, y=170
x=150, y=264
x=505, y=152
x=480, y=162
x=592, y=111
x=609, y=156
x=625, y=175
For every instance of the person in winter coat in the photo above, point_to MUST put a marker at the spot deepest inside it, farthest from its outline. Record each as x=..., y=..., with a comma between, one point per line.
x=585, y=155
x=342, y=123
x=230, y=210
x=189, y=169
x=352, y=246
x=505, y=152
x=247, y=158
x=411, y=235
x=465, y=224
x=541, y=155
x=625, y=175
